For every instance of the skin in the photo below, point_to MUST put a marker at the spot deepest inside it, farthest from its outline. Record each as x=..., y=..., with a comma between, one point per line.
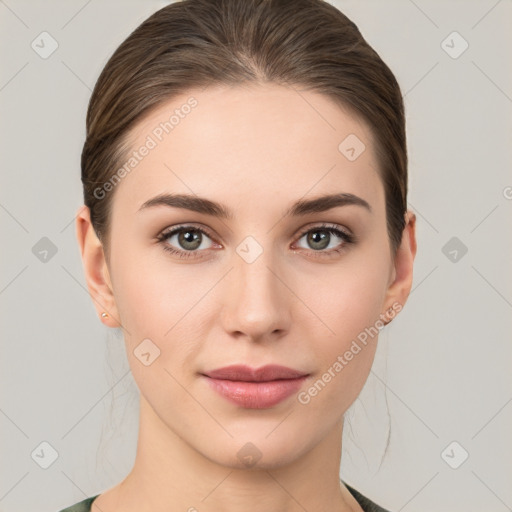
x=256, y=150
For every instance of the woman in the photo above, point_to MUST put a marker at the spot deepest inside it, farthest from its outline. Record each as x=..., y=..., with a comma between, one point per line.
x=246, y=226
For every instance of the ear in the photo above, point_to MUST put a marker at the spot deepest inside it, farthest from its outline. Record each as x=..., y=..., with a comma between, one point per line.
x=401, y=277
x=95, y=268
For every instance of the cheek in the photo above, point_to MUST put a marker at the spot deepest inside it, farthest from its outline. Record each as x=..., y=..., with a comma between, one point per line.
x=345, y=356
x=349, y=302
x=148, y=290
x=165, y=303
x=349, y=297
x=157, y=313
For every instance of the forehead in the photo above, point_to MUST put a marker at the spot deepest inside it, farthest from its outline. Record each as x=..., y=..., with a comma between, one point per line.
x=245, y=146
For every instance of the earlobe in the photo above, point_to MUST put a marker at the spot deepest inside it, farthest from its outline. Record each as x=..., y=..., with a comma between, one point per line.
x=400, y=287
x=95, y=269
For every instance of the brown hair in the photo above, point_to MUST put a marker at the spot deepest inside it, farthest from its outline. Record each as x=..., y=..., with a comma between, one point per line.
x=195, y=43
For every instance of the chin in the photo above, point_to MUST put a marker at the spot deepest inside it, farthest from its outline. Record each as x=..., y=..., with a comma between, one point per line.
x=257, y=452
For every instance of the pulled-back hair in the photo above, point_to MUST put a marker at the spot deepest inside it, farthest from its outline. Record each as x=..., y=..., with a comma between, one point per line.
x=196, y=43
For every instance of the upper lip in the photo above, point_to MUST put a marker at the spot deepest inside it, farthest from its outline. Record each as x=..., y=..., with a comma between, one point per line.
x=246, y=373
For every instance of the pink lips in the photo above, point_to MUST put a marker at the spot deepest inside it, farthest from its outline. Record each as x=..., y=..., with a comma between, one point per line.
x=259, y=388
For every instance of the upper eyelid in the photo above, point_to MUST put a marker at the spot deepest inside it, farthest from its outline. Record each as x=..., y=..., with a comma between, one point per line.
x=167, y=232
x=325, y=225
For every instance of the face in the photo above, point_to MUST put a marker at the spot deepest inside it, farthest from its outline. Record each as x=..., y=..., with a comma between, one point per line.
x=269, y=283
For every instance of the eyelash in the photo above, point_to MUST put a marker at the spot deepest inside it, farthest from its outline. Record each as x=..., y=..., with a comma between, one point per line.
x=332, y=229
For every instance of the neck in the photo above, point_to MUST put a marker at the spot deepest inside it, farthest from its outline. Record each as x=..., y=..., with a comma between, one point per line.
x=169, y=474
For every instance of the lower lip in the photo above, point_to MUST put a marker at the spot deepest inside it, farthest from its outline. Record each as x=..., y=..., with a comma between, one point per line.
x=256, y=395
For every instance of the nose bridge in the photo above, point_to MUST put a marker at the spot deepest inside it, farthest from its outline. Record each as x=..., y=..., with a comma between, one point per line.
x=256, y=303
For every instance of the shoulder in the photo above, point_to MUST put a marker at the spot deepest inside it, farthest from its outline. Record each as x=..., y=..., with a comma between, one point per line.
x=81, y=506
x=366, y=504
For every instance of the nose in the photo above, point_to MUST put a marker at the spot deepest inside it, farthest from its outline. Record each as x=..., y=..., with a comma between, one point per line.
x=256, y=302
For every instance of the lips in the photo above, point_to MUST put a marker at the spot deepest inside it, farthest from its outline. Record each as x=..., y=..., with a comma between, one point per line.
x=259, y=388
x=244, y=373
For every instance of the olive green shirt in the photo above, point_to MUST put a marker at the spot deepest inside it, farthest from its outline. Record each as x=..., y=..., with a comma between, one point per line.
x=366, y=504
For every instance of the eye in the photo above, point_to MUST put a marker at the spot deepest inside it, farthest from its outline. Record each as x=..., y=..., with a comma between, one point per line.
x=191, y=239
x=320, y=238
x=188, y=240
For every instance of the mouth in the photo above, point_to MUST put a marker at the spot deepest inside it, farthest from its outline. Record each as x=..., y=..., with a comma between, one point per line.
x=259, y=388
x=266, y=373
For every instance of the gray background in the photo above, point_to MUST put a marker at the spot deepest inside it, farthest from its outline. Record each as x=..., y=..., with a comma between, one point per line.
x=442, y=368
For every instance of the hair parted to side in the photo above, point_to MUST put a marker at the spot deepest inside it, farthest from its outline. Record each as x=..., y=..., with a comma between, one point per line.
x=196, y=43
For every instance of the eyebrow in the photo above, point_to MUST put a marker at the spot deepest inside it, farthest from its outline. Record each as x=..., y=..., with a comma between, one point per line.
x=299, y=208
